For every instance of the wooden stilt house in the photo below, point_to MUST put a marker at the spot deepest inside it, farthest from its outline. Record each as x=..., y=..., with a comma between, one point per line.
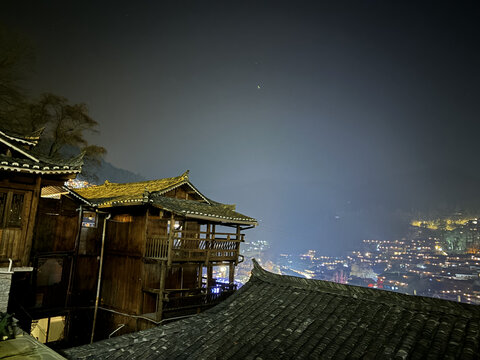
x=164, y=243
x=26, y=175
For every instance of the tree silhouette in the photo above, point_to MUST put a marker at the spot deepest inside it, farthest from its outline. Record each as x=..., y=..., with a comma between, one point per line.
x=64, y=125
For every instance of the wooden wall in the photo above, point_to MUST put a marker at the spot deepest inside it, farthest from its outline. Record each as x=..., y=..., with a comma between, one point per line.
x=56, y=227
x=183, y=192
x=157, y=223
x=123, y=265
x=14, y=241
x=126, y=233
x=122, y=283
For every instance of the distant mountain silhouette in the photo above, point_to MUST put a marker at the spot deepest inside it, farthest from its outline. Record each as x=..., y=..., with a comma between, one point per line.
x=97, y=174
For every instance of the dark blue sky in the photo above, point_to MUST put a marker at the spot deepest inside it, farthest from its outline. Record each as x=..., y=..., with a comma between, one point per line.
x=329, y=121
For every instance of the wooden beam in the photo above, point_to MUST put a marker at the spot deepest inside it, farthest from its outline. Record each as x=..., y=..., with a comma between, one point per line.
x=159, y=305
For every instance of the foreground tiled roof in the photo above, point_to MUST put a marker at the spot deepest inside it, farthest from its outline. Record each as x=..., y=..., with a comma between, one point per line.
x=26, y=347
x=201, y=210
x=283, y=317
x=114, y=194
x=28, y=161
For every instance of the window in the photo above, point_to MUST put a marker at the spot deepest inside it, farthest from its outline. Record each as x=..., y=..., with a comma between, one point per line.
x=48, y=329
x=15, y=213
x=11, y=209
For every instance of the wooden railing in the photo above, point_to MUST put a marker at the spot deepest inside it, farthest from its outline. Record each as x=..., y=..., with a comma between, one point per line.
x=186, y=298
x=194, y=245
x=157, y=247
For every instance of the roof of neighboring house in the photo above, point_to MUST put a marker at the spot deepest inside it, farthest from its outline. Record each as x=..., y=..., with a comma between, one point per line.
x=137, y=193
x=115, y=194
x=24, y=160
x=200, y=210
x=284, y=317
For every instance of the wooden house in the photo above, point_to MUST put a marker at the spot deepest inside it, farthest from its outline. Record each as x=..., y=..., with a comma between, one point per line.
x=151, y=247
x=26, y=254
x=163, y=240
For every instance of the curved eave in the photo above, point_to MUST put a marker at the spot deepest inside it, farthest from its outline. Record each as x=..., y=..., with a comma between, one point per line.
x=81, y=198
x=115, y=203
x=39, y=170
x=210, y=217
x=220, y=219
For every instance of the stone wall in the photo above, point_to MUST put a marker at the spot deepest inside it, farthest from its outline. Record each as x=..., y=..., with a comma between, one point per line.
x=5, y=282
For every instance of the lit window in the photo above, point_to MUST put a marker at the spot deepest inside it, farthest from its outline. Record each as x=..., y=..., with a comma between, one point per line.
x=48, y=329
x=89, y=220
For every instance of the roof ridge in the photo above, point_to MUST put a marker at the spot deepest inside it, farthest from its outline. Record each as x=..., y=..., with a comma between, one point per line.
x=107, y=182
x=375, y=295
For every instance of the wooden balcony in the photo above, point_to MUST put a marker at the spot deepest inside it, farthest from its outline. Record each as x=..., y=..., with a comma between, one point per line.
x=197, y=246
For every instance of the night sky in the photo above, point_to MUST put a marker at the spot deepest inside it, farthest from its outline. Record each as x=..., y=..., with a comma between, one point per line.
x=329, y=121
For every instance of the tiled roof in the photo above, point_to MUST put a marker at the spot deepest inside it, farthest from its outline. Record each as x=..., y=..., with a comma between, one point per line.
x=26, y=347
x=200, y=210
x=27, y=161
x=44, y=165
x=137, y=193
x=31, y=139
x=283, y=317
x=112, y=194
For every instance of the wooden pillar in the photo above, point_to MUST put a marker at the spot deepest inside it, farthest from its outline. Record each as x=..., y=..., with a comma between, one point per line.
x=209, y=276
x=163, y=275
x=140, y=305
x=207, y=262
x=238, y=238
x=231, y=273
x=145, y=232
x=200, y=274
x=208, y=241
x=171, y=237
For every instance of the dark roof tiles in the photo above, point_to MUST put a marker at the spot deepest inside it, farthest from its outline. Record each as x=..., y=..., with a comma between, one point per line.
x=200, y=210
x=283, y=317
x=153, y=191
x=25, y=159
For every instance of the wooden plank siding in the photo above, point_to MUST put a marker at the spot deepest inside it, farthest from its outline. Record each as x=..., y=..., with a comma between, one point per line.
x=122, y=283
x=126, y=237
x=13, y=240
x=56, y=226
x=123, y=267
